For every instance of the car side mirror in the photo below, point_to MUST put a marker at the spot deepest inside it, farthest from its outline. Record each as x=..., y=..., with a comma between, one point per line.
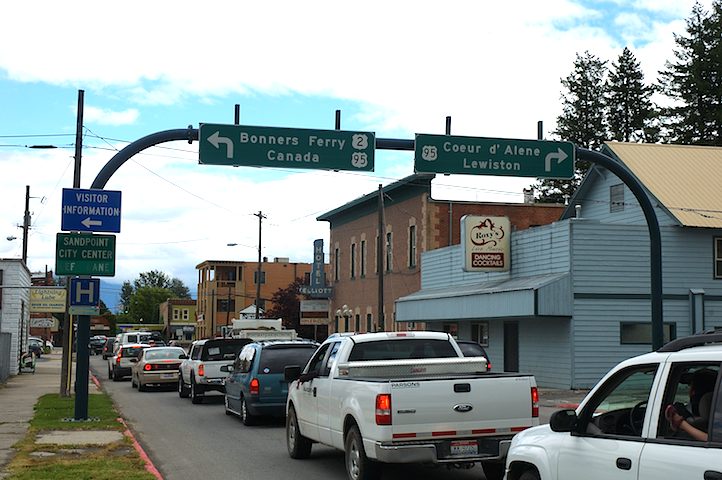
x=226, y=368
x=291, y=373
x=133, y=360
x=183, y=356
x=563, y=420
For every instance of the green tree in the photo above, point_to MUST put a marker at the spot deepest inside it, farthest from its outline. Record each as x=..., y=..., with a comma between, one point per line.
x=287, y=305
x=145, y=302
x=692, y=80
x=154, y=278
x=631, y=115
x=126, y=293
x=179, y=289
x=582, y=122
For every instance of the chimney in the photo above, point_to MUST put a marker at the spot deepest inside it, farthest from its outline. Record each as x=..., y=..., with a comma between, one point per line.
x=578, y=211
x=528, y=195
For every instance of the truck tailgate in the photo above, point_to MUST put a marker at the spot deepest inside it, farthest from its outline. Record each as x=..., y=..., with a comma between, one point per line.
x=477, y=405
x=213, y=369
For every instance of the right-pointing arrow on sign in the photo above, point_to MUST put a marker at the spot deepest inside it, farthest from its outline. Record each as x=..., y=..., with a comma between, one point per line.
x=559, y=156
x=216, y=140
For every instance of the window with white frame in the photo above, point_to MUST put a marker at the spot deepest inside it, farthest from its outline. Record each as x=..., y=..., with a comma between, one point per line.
x=176, y=314
x=718, y=257
x=186, y=314
x=616, y=198
x=389, y=256
x=480, y=333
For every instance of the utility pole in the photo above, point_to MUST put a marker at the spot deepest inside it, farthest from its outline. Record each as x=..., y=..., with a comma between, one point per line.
x=380, y=259
x=258, y=273
x=65, y=372
x=26, y=224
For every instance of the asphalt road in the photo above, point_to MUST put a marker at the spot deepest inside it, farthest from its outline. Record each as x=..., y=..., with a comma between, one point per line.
x=187, y=441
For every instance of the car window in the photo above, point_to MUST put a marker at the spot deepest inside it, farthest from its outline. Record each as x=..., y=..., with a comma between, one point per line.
x=132, y=352
x=411, y=348
x=333, y=351
x=131, y=338
x=221, y=350
x=317, y=360
x=274, y=360
x=196, y=352
x=619, y=407
x=163, y=353
x=245, y=359
x=690, y=387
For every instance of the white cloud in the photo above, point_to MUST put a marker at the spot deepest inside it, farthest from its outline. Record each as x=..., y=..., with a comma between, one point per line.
x=100, y=116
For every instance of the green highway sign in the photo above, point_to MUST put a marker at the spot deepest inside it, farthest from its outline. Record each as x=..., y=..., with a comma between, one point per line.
x=85, y=254
x=493, y=156
x=241, y=145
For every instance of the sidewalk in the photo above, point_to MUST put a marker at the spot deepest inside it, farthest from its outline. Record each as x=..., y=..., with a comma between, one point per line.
x=18, y=397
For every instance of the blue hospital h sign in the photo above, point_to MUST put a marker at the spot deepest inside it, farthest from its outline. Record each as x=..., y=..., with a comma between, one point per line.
x=84, y=292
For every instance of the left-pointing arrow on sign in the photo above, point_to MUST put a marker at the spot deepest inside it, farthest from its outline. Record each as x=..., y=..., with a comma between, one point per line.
x=216, y=139
x=91, y=223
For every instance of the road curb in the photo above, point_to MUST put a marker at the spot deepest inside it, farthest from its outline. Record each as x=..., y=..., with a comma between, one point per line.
x=144, y=456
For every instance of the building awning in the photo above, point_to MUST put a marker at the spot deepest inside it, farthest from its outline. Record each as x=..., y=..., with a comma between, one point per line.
x=539, y=295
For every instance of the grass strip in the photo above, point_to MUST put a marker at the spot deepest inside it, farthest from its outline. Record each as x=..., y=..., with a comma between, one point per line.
x=75, y=462
x=53, y=412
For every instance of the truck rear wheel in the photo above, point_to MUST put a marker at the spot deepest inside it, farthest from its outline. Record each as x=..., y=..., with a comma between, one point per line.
x=196, y=396
x=182, y=389
x=358, y=465
x=299, y=447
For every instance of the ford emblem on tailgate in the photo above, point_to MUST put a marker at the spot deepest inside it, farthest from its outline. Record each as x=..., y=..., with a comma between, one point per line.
x=463, y=407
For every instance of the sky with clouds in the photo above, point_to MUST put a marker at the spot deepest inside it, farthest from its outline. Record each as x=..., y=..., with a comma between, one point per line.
x=393, y=68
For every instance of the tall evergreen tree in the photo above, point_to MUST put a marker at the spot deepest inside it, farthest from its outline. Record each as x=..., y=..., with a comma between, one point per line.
x=692, y=81
x=582, y=121
x=126, y=293
x=630, y=113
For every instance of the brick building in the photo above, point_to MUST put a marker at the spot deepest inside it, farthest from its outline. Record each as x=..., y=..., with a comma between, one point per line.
x=227, y=287
x=413, y=223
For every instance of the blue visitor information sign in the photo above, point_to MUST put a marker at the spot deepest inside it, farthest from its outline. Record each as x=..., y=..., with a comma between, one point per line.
x=90, y=210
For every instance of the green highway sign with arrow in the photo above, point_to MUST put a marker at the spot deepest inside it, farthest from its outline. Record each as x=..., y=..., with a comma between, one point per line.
x=242, y=145
x=493, y=156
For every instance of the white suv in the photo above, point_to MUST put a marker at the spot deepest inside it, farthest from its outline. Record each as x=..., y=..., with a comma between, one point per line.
x=622, y=429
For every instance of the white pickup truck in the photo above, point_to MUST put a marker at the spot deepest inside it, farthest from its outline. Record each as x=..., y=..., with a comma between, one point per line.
x=201, y=371
x=405, y=397
x=627, y=426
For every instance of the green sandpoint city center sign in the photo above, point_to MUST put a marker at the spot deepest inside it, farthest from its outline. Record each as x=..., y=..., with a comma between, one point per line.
x=493, y=156
x=242, y=145
x=85, y=254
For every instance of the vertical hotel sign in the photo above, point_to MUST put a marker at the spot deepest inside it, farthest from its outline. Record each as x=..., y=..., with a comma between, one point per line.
x=317, y=287
x=486, y=243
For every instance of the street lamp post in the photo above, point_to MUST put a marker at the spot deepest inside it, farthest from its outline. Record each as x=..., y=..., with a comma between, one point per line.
x=346, y=313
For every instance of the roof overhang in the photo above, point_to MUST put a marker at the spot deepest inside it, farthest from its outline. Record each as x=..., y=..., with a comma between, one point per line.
x=539, y=295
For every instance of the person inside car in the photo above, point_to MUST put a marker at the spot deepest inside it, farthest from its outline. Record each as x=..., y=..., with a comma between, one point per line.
x=694, y=423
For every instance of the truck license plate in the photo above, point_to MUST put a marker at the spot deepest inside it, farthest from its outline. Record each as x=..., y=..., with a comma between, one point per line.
x=464, y=447
x=167, y=375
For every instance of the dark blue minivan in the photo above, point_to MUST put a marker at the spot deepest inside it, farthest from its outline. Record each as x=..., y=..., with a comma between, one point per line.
x=255, y=385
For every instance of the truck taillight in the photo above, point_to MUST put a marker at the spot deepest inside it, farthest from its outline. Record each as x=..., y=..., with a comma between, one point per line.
x=202, y=370
x=383, y=409
x=255, y=386
x=117, y=357
x=534, y=402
